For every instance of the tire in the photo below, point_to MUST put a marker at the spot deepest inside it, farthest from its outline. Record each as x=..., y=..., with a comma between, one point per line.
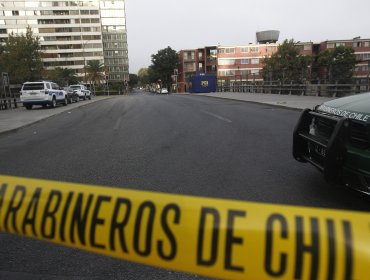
x=53, y=103
x=84, y=98
x=28, y=107
x=70, y=100
x=90, y=96
x=65, y=103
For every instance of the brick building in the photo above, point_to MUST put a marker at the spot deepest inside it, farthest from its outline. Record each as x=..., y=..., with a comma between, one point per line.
x=203, y=60
x=244, y=63
x=362, y=52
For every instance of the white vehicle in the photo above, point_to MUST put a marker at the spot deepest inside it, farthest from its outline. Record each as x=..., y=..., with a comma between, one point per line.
x=81, y=91
x=42, y=93
x=163, y=90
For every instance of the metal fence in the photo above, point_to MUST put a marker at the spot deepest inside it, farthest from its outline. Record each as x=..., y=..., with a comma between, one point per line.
x=276, y=87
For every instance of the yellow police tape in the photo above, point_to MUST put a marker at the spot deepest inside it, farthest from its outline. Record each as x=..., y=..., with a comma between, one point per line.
x=213, y=237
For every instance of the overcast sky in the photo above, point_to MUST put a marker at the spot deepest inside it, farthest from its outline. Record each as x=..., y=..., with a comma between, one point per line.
x=188, y=24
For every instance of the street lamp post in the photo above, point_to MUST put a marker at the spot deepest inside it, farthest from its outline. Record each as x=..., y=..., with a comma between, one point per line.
x=107, y=81
x=239, y=76
x=84, y=56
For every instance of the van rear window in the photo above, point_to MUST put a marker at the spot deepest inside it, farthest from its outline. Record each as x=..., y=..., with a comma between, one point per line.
x=37, y=86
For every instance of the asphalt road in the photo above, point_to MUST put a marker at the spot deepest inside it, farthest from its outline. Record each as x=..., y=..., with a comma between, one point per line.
x=178, y=144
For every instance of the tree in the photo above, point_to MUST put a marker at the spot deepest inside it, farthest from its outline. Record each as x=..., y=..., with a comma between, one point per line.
x=21, y=57
x=62, y=76
x=163, y=64
x=133, y=80
x=339, y=64
x=287, y=64
x=143, y=77
x=95, y=71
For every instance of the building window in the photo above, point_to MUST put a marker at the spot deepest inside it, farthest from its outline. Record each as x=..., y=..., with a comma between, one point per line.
x=254, y=49
x=15, y=13
x=255, y=61
x=226, y=50
x=271, y=48
x=230, y=50
x=244, y=61
x=339, y=44
x=226, y=61
x=330, y=45
x=366, y=56
x=366, y=44
x=357, y=44
x=307, y=47
x=244, y=49
x=226, y=73
x=244, y=72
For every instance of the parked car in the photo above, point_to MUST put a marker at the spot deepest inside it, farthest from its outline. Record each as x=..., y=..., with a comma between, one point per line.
x=335, y=138
x=42, y=93
x=81, y=91
x=72, y=96
x=164, y=90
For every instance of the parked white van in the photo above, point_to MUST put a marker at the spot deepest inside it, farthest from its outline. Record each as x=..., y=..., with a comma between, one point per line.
x=42, y=93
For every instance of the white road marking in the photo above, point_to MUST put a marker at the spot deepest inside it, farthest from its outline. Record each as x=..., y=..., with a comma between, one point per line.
x=118, y=122
x=217, y=116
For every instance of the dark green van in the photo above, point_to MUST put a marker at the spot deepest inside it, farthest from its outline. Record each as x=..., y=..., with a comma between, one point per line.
x=335, y=138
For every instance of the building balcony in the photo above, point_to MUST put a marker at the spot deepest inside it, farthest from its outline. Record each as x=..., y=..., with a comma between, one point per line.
x=192, y=59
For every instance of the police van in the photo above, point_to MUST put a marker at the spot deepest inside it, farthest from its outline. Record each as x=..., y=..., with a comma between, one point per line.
x=42, y=93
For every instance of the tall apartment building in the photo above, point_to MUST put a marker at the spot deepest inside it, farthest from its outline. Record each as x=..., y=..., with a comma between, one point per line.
x=73, y=32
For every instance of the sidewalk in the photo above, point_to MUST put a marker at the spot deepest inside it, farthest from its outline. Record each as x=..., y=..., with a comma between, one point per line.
x=13, y=119
x=290, y=101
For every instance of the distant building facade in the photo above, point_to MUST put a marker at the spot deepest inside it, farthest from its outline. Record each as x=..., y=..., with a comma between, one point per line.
x=362, y=52
x=242, y=63
x=191, y=61
x=73, y=32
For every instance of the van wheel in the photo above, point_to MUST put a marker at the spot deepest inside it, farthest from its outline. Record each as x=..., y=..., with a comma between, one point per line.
x=65, y=103
x=28, y=107
x=53, y=103
x=70, y=100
